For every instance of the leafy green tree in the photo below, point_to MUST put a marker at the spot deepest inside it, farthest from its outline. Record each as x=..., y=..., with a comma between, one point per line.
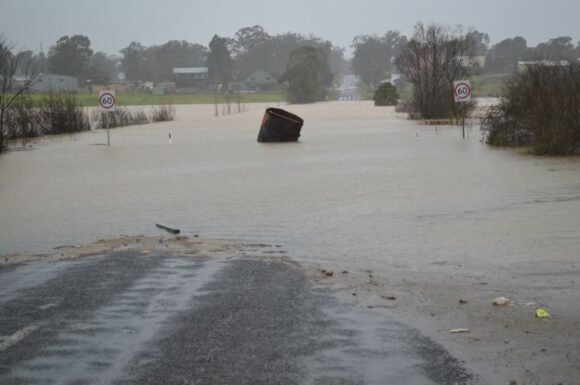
x=386, y=95
x=560, y=48
x=374, y=56
x=504, y=55
x=173, y=54
x=70, y=56
x=480, y=42
x=31, y=63
x=157, y=62
x=338, y=64
x=253, y=51
x=307, y=74
x=102, y=68
x=219, y=60
x=370, y=59
x=136, y=62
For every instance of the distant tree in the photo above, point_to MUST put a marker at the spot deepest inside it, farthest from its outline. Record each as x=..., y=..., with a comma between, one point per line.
x=394, y=43
x=338, y=63
x=156, y=62
x=248, y=39
x=431, y=61
x=370, y=60
x=386, y=95
x=252, y=51
x=281, y=46
x=374, y=56
x=101, y=68
x=480, y=42
x=10, y=90
x=504, y=55
x=70, y=56
x=560, y=48
x=31, y=63
x=173, y=54
x=135, y=62
x=307, y=74
x=219, y=60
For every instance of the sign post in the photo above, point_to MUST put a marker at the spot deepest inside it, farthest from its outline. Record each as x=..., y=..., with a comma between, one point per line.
x=107, y=102
x=462, y=94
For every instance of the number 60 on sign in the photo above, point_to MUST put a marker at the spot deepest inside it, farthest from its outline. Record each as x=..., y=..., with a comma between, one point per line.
x=462, y=90
x=107, y=100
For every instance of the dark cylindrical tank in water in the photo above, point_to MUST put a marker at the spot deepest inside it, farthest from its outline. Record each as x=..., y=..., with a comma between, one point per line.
x=279, y=125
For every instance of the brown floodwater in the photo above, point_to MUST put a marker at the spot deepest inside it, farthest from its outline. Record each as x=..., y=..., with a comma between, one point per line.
x=361, y=185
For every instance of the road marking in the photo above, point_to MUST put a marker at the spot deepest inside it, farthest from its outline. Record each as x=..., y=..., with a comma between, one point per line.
x=17, y=337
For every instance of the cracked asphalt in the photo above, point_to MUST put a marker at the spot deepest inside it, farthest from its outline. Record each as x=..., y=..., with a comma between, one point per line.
x=126, y=318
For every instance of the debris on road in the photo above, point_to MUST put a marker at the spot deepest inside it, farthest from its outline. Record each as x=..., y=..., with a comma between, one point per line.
x=168, y=229
x=328, y=273
x=389, y=297
x=542, y=313
x=501, y=301
x=462, y=301
x=459, y=330
x=67, y=247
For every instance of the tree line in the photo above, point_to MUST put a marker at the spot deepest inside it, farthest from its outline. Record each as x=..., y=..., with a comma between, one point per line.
x=228, y=58
x=252, y=48
x=374, y=55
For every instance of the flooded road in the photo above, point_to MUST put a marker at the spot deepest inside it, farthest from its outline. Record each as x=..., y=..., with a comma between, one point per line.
x=430, y=227
x=362, y=184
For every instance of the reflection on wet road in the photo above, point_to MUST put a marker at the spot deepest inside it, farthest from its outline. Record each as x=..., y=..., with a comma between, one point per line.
x=127, y=318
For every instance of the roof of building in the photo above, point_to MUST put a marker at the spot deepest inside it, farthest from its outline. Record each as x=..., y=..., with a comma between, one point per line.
x=545, y=62
x=190, y=70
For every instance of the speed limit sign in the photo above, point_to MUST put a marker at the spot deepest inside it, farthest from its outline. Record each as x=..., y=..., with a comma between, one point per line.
x=462, y=90
x=107, y=100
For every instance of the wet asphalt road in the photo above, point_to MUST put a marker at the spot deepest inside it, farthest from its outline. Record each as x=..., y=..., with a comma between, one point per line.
x=126, y=318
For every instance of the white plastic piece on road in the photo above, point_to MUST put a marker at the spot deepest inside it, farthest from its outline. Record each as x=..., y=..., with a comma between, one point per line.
x=17, y=337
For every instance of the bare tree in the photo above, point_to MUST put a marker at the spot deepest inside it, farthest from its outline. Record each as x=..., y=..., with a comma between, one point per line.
x=10, y=89
x=435, y=57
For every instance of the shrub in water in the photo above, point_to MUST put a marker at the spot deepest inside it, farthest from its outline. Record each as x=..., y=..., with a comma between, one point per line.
x=540, y=107
x=386, y=95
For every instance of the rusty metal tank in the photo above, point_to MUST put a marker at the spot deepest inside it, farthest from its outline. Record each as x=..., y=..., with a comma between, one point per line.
x=279, y=125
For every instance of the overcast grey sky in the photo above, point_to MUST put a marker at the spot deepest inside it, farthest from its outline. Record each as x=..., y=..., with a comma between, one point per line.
x=113, y=24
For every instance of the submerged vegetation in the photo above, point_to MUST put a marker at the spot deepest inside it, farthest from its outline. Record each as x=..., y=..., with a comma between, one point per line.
x=62, y=113
x=123, y=116
x=540, y=108
x=386, y=95
x=57, y=113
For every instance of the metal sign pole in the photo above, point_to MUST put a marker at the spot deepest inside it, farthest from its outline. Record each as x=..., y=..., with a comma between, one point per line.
x=462, y=94
x=107, y=102
x=463, y=120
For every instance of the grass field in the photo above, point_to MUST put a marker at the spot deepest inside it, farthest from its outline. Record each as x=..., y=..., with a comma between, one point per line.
x=489, y=84
x=137, y=99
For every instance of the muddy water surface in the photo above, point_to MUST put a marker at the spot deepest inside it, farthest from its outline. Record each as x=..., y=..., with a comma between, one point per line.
x=362, y=185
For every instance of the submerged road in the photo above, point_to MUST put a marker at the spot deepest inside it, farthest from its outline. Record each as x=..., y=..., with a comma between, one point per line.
x=128, y=318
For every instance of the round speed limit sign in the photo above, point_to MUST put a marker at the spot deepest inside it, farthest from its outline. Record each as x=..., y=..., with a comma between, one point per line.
x=107, y=100
x=462, y=91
